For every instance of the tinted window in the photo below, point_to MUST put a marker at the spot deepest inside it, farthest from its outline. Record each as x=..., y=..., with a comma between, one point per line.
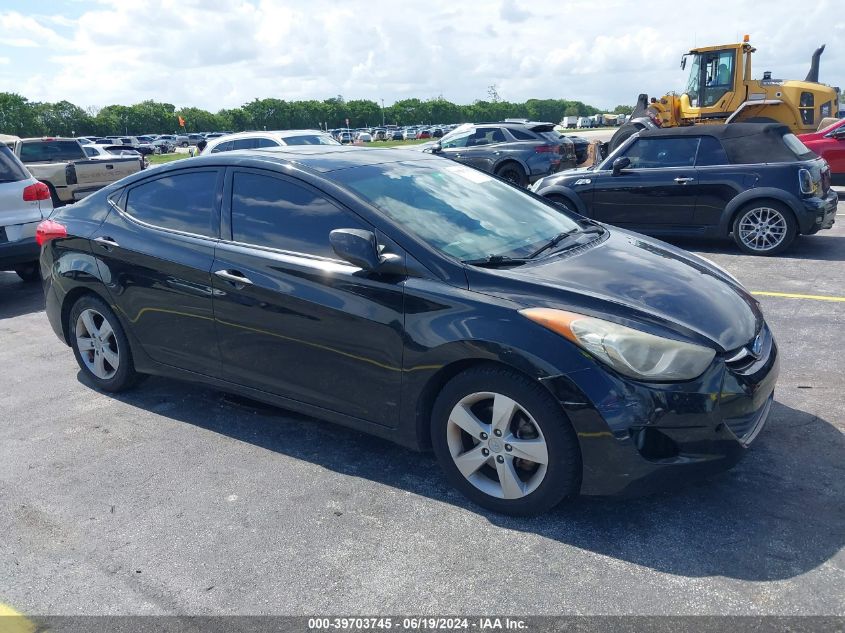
x=267, y=142
x=10, y=169
x=182, y=202
x=662, y=152
x=711, y=152
x=46, y=151
x=269, y=211
x=313, y=139
x=244, y=143
x=522, y=135
x=225, y=146
x=485, y=136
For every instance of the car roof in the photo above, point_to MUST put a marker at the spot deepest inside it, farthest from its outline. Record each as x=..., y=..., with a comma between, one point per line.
x=720, y=131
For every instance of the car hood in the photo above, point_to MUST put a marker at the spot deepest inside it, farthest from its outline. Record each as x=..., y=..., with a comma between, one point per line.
x=636, y=281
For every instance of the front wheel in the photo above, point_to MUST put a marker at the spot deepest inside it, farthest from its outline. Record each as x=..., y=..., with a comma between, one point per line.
x=504, y=442
x=764, y=228
x=100, y=345
x=29, y=272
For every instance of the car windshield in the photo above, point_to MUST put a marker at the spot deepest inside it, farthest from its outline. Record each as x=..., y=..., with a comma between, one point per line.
x=460, y=211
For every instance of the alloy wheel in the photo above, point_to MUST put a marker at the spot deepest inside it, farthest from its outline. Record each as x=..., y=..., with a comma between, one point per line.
x=762, y=229
x=97, y=344
x=497, y=445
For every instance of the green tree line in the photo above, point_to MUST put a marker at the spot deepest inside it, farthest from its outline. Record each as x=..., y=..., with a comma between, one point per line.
x=22, y=117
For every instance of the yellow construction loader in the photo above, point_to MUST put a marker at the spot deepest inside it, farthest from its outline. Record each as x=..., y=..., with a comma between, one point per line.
x=720, y=90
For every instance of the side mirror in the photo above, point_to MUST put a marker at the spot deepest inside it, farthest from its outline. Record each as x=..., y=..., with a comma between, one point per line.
x=839, y=133
x=360, y=248
x=436, y=148
x=619, y=164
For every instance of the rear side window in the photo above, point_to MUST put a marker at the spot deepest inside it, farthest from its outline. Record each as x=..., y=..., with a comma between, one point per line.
x=522, y=135
x=711, y=152
x=47, y=151
x=10, y=169
x=654, y=153
x=181, y=202
x=277, y=213
x=267, y=142
x=313, y=139
x=244, y=143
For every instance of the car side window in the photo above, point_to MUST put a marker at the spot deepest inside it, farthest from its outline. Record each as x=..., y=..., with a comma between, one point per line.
x=711, y=152
x=278, y=213
x=267, y=142
x=522, y=135
x=654, y=153
x=245, y=143
x=181, y=202
x=458, y=140
x=486, y=136
x=225, y=146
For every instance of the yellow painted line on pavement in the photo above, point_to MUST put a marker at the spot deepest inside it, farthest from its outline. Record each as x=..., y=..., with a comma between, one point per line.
x=13, y=622
x=790, y=295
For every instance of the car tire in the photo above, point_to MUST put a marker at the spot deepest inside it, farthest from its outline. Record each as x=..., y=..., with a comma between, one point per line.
x=100, y=345
x=29, y=272
x=513, y=173
x=562, y=201
x=185, y=144
x=623, y=134
x=533, y=424
x=764, y=227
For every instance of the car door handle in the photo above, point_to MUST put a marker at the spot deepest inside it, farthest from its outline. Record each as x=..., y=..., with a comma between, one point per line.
x=106, y=242
x=234, y=276
x=109, y=166
x=683, y=181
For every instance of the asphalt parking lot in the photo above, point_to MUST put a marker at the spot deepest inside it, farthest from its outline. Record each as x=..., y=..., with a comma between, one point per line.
x=177, y=499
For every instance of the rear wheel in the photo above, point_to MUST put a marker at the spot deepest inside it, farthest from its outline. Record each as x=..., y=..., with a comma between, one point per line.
x=100, y=345
x=503, y=441
x=764, y=228
x=29, y=272
x=514, y=173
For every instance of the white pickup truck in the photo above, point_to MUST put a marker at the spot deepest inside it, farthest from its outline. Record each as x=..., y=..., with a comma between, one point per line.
x=65, y=168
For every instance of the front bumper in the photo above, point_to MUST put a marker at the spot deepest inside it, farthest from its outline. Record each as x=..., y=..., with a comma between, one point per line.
x=820, y=213
x=638, y=438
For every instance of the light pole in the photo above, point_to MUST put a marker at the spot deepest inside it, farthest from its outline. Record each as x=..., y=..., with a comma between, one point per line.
x=382, y=112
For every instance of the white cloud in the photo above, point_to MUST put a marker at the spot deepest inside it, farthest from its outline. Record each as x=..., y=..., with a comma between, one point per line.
x=222, y=53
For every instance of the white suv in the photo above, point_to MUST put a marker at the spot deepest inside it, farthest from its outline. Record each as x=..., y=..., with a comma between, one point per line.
x=24, y=202
x=253, y=140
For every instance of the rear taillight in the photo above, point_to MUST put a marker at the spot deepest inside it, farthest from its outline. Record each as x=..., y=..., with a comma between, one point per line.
x=38, y=191
x=49, y=230
x=805, y=181
x=546, y=149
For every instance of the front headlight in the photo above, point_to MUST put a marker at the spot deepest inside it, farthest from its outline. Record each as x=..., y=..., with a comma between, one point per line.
x=628, y=351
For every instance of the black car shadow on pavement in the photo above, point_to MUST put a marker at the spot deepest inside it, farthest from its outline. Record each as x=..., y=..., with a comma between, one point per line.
x=778, y=514
x=17, y=297
x=829, y=248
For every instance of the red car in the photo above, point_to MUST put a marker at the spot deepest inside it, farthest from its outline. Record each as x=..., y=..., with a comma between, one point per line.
x=829, y=143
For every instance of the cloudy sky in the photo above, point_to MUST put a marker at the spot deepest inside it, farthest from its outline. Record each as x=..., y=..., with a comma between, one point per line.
x=223, y=53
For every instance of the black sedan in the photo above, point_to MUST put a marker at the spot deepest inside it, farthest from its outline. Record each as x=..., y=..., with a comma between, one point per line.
x=539, y=354
x=755, y=181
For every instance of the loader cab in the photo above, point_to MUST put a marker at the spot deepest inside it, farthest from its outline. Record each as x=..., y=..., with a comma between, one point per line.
x=712, y=82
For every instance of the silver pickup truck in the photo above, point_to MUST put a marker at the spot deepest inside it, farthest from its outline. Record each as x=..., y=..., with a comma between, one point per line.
x=63, y=166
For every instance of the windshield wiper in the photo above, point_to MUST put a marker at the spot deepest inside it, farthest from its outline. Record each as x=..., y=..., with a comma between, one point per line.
x=494, y=261
x=557, y=239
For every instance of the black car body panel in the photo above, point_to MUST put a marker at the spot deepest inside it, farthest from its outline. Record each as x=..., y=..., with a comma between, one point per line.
x=369, y=350
x=703, y=197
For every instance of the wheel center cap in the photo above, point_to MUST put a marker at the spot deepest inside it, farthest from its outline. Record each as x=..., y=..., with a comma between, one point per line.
x=496, y=444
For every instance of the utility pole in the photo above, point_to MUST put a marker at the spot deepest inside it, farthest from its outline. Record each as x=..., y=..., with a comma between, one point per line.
x=382, y=112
